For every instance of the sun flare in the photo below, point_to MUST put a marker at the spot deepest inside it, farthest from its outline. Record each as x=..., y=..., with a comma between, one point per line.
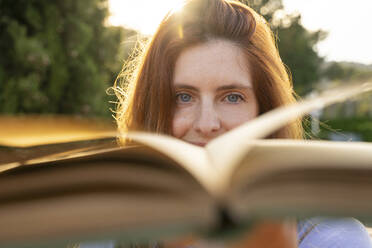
x=143, y=15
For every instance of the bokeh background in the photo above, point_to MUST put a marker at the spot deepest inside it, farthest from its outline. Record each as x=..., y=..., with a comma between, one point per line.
x=58, y=58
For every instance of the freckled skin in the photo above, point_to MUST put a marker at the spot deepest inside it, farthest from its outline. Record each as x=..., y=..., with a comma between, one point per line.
x=214, y=91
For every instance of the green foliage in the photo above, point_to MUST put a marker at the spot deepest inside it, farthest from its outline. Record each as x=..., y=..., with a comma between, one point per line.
x=295, y=43
x=343, y=71
x=359, y=125
x=296, y=46
x=57, y=56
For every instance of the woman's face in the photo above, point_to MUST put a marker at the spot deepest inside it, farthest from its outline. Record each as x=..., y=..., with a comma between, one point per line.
x=214, y=92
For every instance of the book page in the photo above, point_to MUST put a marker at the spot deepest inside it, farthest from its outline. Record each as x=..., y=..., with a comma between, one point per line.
x=273, y=156
x=303, y=177
x=129, y=187
x=36, y=130
x=193, y=158
x=23, y=155
x=227, y=150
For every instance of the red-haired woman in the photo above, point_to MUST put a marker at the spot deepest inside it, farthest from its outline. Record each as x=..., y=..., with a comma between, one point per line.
x=208, y=69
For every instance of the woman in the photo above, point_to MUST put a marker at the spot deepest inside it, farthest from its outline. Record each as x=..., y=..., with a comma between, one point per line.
x=208, y=69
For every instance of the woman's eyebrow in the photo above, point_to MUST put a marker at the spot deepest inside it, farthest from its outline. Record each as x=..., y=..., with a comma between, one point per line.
x=185, y=86
x=234, y=86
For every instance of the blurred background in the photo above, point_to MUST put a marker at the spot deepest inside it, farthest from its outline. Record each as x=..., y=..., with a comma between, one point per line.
x=58, y=58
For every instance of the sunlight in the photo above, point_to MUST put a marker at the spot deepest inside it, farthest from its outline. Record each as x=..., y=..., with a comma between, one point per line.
x=143, y=15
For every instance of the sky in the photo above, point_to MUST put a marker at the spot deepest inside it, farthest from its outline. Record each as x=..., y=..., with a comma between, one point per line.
x=348, y=23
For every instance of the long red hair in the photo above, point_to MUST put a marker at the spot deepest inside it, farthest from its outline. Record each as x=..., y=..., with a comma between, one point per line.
x=144, y=88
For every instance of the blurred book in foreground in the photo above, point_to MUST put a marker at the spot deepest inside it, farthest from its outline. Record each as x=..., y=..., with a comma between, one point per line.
x=30, y=136
x=162, y=187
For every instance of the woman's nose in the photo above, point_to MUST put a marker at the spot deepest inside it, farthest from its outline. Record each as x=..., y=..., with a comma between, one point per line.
x=207, y=121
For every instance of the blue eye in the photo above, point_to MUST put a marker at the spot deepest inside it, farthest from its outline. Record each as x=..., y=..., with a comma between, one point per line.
x=234, y=98
x=183, y=97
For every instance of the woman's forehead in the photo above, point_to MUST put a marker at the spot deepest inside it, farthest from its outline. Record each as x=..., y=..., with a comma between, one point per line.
x=217, y=63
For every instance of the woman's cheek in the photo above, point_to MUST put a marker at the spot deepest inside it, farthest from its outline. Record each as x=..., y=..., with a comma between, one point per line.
x=182, y=122
x=235, y=115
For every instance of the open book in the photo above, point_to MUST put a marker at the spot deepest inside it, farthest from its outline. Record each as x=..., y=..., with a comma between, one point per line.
x=163, y=186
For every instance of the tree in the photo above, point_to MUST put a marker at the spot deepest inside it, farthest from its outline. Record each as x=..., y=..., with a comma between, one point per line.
x=296, y=44
x=57, y=56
